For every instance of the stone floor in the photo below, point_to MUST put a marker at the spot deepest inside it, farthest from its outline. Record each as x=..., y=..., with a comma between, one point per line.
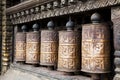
x=18, y=75
x=27, y=72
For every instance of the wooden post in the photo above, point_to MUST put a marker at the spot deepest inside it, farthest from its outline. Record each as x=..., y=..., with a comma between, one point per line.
x=14, y=39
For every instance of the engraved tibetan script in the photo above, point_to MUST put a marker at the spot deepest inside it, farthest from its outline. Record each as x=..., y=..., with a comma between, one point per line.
x=33, y=47
x=49, y=47
x=69, y=51
x=20, y=46
x=95, y=48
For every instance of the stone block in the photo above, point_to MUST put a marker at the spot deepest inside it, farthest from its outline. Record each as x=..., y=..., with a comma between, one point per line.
x=117, y=77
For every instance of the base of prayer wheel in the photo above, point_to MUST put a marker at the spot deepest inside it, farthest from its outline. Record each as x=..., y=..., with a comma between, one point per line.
x=20, y=62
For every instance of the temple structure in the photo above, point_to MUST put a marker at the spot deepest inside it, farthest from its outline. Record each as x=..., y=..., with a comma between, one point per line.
x=60, y=39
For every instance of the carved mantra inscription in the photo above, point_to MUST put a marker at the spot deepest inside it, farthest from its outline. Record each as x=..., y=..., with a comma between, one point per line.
x=20, y=46
x=33, y=47
x=49, y=47
x=69, y=51
x=96, y=48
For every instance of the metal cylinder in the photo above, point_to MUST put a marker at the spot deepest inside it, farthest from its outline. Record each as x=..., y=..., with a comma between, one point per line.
x=96, y=48
x=49, y=47
x=32, y=47
x=20, y=46
x=69, y=51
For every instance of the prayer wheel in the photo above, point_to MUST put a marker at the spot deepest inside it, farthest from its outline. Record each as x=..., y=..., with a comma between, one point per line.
x=96, y=46
x=69, y=49
x=20, y=45
x=49, y=46
x=33, y=46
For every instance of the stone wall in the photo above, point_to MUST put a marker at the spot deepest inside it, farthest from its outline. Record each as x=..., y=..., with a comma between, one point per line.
x=116, y=26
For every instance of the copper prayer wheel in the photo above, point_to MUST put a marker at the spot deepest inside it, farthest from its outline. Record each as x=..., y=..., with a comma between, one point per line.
x=49, y=47
x=20, y=46
x=96, y=47
x=69, y=51
x=32, y=47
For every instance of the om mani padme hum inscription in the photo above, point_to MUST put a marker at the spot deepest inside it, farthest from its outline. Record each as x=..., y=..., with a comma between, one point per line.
x=49, y=47
x=96, y=48
x=33, y=47
x=20, y=46
x=69, y=51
